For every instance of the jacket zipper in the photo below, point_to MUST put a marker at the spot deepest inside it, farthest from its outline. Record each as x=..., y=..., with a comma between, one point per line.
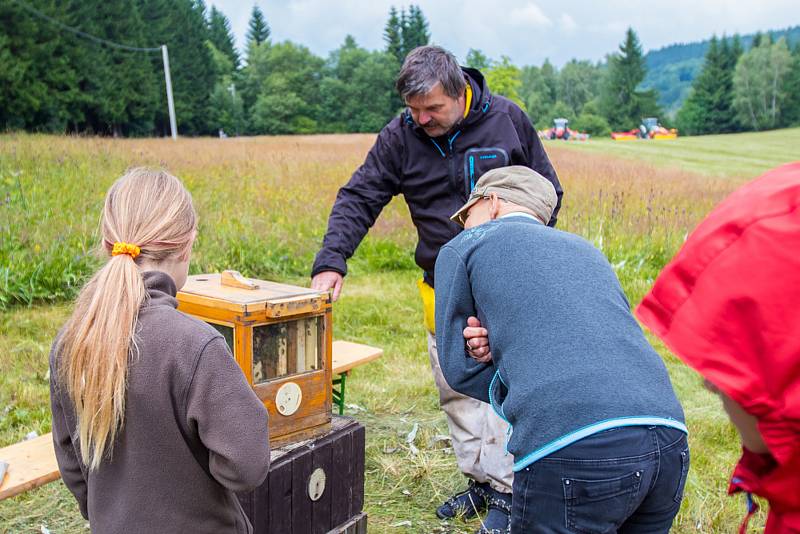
x=451, y=156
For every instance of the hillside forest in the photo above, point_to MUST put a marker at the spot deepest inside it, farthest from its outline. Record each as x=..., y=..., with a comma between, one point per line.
x=95, y=67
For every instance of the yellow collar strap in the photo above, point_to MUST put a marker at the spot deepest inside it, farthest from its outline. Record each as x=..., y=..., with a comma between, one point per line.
x=468, y=100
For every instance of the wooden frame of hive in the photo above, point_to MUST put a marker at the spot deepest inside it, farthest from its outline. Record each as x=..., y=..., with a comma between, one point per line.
x=249, y=308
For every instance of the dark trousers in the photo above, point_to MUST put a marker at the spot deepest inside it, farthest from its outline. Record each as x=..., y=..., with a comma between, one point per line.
x=626, y=480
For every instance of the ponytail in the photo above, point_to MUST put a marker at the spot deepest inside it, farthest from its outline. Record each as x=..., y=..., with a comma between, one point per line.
x=152, y=211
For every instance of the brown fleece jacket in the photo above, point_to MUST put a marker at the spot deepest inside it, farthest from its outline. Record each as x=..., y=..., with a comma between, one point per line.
x=194, y=432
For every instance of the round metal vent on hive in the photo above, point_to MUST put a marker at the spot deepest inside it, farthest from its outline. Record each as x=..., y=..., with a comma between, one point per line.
x=316, y=484
x=288, y=398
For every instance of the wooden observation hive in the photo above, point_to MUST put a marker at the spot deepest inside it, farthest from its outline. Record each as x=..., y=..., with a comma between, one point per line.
x=280, y=335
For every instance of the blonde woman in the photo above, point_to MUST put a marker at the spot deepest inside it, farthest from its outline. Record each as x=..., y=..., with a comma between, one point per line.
x=154, y=425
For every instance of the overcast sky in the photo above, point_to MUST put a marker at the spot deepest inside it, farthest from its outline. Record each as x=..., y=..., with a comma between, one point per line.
x=526, y=31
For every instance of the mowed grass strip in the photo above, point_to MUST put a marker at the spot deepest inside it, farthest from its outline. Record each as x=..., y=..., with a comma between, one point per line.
x=263, y=205
x=742, y=155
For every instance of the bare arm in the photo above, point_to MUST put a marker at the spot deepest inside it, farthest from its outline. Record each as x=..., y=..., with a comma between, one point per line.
x=746, y=424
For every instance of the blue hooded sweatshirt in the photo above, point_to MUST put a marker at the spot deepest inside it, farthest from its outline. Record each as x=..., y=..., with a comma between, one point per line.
x=569, y=359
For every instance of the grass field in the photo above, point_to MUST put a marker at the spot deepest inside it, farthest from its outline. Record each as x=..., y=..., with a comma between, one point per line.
x=263, y=204
x=738, y=155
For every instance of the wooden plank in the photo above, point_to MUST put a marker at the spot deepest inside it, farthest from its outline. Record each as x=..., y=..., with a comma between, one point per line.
x=279, y=496
x=359, y=446
x=347, y=355
x=282, y=503
x=207, y=287
x=361, y=525
x=199, y=308
x=316, y=403
x=31, y=464
x=244, y=352
x=301, y=504
x=296, y=306
x=322, y=457
x=313, y=427
x=341, y=479
x=356, y=525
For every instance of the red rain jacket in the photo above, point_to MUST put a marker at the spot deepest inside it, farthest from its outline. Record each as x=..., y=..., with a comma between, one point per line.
x=728, y=304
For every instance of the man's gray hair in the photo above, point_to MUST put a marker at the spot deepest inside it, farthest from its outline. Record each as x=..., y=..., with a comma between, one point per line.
x=424, y=67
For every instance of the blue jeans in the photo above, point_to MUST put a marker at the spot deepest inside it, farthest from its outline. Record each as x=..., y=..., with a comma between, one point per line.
x=626, y=480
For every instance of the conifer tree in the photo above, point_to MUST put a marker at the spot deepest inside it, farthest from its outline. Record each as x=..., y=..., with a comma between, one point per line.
x=38, y=82
x=735, y=50
x=621, y=103
x=257, y=29
x=118, y=86
x=415, y=30
x=709, y=107
x=393, y=36
x=181, y=25
x=221, y=36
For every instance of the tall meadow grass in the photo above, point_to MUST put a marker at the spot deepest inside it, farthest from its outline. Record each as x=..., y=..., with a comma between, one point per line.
x=263, y=205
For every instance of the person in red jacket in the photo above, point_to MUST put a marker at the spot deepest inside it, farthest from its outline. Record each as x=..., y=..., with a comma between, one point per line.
x=728, y=305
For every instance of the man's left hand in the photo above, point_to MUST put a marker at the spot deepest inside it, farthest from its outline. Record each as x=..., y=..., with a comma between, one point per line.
x=477, y=341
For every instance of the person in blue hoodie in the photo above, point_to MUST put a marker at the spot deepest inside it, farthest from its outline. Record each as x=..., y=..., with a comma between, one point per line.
x=597, y=434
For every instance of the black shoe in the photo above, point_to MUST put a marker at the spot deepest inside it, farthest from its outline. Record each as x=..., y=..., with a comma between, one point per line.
x=467, y=504
x=498, y=520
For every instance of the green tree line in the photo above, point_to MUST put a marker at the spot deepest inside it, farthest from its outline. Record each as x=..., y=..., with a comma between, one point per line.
x=737, y=89
x=52, y=80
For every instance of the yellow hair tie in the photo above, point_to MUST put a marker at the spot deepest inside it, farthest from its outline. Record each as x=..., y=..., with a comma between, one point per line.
x=125, y=248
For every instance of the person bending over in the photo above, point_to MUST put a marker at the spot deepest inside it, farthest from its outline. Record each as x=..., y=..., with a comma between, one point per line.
x=597, y=434
x=728, y=306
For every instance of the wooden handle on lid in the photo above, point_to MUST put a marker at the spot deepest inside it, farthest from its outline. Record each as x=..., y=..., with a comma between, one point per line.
x=235, y=279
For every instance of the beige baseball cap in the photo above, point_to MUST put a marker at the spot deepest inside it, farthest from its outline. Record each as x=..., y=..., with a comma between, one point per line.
x=517, y=184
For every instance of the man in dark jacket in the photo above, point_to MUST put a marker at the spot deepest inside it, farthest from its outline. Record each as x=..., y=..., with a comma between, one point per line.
x=452, y=132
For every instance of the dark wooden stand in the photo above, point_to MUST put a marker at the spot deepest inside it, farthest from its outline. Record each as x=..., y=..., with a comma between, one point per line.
x=282, y=504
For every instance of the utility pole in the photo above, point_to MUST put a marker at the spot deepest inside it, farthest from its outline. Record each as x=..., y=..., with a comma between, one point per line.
x=170, y=103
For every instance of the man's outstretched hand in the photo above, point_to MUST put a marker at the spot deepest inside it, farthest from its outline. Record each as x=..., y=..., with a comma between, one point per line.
x=327, y=280
x=477, y=339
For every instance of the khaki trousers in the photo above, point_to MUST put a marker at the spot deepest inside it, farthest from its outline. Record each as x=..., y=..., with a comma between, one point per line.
x=479, y=435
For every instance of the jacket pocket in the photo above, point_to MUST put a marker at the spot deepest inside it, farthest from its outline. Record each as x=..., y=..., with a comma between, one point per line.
x=478, y=161
x=497, y=395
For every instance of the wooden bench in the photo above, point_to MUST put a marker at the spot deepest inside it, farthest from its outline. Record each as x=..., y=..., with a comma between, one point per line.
x=32, y=463
x=346, y=356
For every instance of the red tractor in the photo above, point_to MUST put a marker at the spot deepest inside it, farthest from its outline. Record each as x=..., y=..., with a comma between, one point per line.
x=560, y=130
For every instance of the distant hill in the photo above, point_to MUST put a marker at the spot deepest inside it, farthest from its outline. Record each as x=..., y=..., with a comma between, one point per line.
x=671, y=69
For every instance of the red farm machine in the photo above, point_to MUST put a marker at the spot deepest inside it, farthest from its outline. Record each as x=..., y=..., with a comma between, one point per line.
x=560, y=130
x=649, y=129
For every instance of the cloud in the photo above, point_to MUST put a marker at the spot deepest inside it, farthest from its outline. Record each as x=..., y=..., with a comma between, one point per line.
x=529, y=15
x=567, y=23
x=528, y=31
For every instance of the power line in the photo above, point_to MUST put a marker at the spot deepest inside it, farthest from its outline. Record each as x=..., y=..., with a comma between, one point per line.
x=163, y=49
x=76, y=31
